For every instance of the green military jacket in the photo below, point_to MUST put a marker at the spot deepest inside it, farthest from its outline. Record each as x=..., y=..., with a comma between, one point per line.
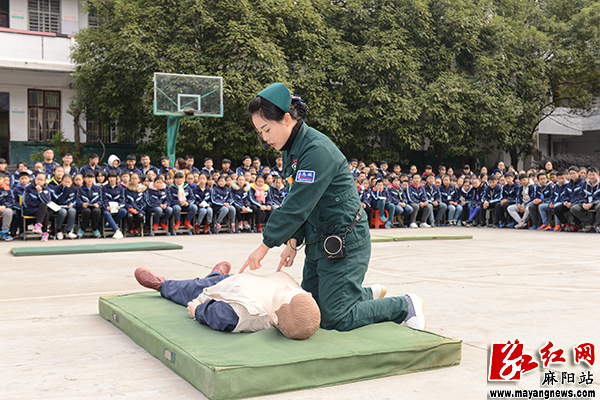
x=321, y=195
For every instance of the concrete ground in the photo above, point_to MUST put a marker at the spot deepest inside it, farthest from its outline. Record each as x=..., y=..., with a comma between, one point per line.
x=501, y=285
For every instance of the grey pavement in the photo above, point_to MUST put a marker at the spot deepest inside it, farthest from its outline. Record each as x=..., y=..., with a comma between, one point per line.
x=501, y=285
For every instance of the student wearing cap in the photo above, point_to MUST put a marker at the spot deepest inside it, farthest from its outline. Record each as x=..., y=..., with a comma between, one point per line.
x=322, y=207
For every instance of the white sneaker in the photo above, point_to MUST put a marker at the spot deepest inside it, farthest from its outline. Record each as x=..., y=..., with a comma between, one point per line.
x=418, y=320
x=379, y=291
x=424, y=225
x=60, y=236
x=118, y=235
x=71, y=235
x=413, y=225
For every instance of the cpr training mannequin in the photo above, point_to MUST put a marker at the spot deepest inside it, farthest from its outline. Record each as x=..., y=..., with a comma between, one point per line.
x=241, y=303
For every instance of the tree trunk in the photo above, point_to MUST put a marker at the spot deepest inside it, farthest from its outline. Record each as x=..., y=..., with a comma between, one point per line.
x=514, y=158
x=76, y=136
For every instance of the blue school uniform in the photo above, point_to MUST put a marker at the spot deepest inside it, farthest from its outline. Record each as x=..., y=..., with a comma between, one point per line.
x=268, y=200
x=73, y=171
x=493, y=195
x=87, y=168
x=562, y=193
x=165, y=170
x=377, y=195
x=416, y=194
x=547, y=192
x=221, y=195
x=109, y=168
x=590, y=193
x=157, y=197
x=92, y=195
x=577, y=194
x=396, y=195
x=194, y=170
x=511, y=193
x=151, y=168
x=241, y=197
x=448, y=194
x=113, y=194
x=32, y=199
x=190, y=196
x=67, y=197
x=433, y=193
x=55, y=188
x=278, y=172
x=277, y=195
x=17, y=193
x=136, y=199
x=206, y=171
x=6, y=198
x=241, y=170
x=134, y=170
x=365, y=196
x=202, y=195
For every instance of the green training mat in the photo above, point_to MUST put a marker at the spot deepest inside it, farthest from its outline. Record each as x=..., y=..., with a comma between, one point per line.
x=238, y=365
x=93, y=248
x=424, y=236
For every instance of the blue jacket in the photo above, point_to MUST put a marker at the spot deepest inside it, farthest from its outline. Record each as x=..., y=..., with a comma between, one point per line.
x=136, y=198
x=156, y=197
x=202, y=195
x=277, y=171
x=165, y=170
x=268, y=200
x=74, y=170
x=590, y=193
x=55, y=188
x=32, y=199
x=220, y=196
x=467, y=196
x=135, y=170
x=111, y=168
x=449, y=193
x=6, y=198
x=277, y=195
x=205, y=171
x=477, y=196
x=416, y=194
x=113, y=194
x=365, y=196
x=577, y=194
x=561, y=194
x=377, y=195
x=68, y=196
x=492, y=195
x=92, y=196
x=152, y=168
x=17, y=193
x=241, y=170
x=397, y=195
x=241, y=196
x=87, y=168
x=547, y=192
x=534, y=191
x=190, y=196
x=433, y=194
x=511, y=193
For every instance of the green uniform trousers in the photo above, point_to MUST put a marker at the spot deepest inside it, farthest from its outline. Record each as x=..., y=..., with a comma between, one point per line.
x=336, y=285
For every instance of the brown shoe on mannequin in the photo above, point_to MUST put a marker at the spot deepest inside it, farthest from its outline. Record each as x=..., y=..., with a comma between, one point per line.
x=148, y=279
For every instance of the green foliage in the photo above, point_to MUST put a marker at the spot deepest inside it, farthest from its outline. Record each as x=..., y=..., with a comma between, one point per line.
x=382, y=78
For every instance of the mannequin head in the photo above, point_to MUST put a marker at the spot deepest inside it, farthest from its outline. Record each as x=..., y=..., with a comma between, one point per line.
x=299, y=318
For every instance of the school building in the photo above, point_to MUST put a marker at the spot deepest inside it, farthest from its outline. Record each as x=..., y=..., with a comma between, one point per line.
x=36, y=80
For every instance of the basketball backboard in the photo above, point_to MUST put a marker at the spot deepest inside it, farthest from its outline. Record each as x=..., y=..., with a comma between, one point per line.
x=178, y=95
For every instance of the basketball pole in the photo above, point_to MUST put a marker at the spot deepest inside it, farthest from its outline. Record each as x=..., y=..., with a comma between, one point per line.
x=173, y=124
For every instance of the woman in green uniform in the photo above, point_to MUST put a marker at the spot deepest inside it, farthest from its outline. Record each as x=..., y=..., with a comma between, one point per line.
x=322, y=210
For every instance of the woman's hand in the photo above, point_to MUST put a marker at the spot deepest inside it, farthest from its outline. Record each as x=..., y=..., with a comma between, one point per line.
x=255, y=258
x=287, y=255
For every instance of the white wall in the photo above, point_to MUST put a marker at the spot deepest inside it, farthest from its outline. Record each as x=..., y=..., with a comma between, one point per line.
x=18, y=14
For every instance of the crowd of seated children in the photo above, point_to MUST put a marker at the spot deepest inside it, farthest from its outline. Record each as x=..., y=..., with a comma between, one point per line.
x=54, y=195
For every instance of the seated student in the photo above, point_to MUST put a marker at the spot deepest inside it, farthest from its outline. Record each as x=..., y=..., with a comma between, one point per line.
x=428, y=171
x=101, y=178
x=226, y=167
x=189, y=164
x=92, y=164
x=135, y=204
x=78, y=180
x=36, y=197
x=492, y=194
x=245, y=167
x=588, y=199
x=509, y=197
x=151, y=175
x=381, y=201
x=180, y=166
x=67, y=164
x=449, y=196
x=241, y=303
x=67, y=200
x=261, y=199
x=561, y=198
x=54, y=184
x=240, y=194
x=37, y=167
x=268, y=179
x=204, y=203
x=17, y=193
x=383, y=169
x=528, y=193
x=546, y=195
x=276, y=190
x=131, y=168
x=189, y=179
x=158, y=201
x=256, y=163
x=434, y=198
x=222, y=203
x=146, y=167
x=183, y=199
x=114, y=193
x=89, y=204
x=21, y=167
x=208, y=167
x=398, y=198
x=364, y=193
x=248, y=177
x=164, y=166
x=3, y=169
x=475, y=217
x=6, y=204
x=417, y=199
x=125, y=177
x=278, y=168
x=113, y=164
x=575, y=187
x=465, y=197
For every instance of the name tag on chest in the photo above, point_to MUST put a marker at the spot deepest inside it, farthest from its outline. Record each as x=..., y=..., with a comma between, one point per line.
x=305, y=176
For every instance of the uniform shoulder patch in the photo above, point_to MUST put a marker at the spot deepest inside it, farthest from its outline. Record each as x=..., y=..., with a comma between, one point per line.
x=305, y=176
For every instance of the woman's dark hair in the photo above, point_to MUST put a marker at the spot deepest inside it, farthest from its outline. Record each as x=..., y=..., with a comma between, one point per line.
x=269, y=111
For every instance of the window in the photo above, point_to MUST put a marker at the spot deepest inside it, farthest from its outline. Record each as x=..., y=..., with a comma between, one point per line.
x=44, y=115
x=44, y=15
x=92, y=18
x=4, y=14
x=107, y=133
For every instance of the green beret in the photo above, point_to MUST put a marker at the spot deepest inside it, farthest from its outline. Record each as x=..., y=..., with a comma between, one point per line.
x=277, y=94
